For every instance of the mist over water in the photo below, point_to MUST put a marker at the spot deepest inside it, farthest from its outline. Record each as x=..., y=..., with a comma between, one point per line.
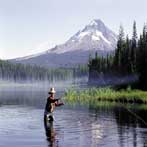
x=35, y=94
x=111, y=79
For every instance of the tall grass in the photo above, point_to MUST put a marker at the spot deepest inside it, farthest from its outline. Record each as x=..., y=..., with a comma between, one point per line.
x=94, y=95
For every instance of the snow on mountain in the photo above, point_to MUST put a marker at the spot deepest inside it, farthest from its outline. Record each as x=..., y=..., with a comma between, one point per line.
x=95, y=36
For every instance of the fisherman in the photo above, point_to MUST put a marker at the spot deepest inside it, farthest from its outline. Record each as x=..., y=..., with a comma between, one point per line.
x=50, y=105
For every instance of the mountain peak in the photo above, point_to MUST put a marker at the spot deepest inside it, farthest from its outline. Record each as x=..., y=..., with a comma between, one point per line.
x=95, y=22
x=95, y=36
x=95, y=32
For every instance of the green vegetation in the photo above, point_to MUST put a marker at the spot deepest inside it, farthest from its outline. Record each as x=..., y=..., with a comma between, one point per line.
x=93, y=96
x=129, y=57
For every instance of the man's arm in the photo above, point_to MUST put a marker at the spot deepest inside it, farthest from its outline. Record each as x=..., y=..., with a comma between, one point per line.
x=59, y=104
x=53, y=100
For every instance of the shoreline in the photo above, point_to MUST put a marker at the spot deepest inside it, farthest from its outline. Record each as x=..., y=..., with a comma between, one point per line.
x=94, y=95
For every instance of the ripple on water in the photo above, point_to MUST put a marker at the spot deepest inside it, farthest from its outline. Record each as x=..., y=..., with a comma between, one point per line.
x=23, y=126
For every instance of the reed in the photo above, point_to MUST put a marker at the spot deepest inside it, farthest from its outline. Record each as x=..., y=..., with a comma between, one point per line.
x=94, y=95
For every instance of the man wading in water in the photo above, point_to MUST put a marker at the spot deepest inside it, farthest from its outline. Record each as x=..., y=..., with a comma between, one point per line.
x=50, y=105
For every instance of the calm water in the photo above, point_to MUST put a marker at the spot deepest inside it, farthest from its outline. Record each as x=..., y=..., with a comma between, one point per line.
x=21, y=123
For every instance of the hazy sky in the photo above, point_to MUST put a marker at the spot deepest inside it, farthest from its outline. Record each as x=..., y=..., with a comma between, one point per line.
x=32, y=26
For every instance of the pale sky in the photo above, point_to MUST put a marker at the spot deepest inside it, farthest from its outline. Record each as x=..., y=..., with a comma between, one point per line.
x=33, y=26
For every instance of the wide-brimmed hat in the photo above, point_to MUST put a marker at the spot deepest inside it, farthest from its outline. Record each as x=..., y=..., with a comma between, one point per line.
x=52, y=90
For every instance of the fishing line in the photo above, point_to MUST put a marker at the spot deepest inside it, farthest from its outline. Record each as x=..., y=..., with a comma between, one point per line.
x=134, y=114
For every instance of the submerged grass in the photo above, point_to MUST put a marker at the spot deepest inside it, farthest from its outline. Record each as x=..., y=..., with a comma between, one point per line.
x=93, y=95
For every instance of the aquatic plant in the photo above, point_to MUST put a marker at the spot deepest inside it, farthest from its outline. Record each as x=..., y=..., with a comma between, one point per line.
x=94, y=95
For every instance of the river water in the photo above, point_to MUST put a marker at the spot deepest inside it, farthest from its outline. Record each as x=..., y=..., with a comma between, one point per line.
x=21, y=122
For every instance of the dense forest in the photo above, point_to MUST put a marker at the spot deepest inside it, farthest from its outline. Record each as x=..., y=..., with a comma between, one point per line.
x=130, y=57
x=20, y=72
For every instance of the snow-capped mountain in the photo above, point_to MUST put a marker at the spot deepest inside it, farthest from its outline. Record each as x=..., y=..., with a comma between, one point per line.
x=93, y=37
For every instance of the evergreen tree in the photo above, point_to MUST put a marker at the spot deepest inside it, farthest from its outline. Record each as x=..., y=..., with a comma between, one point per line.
x=142, y=59
x=17, y=72
x=134, y=48
x=96, y=55
x=118, y=58
x=127, y=63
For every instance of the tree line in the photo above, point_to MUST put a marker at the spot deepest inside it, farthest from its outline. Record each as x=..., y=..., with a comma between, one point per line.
x=21, y=72
x=129, y=57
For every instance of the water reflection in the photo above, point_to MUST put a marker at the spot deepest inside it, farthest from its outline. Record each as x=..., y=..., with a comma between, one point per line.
x=126, y=124
x=104, y=125
x=30, y=97
x=50, y=133
x=131, y=124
